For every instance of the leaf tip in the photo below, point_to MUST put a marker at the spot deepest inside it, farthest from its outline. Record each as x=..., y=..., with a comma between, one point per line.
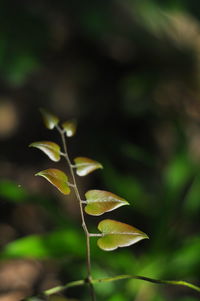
x=70, y=127
x=50, y=120
x=100, y=166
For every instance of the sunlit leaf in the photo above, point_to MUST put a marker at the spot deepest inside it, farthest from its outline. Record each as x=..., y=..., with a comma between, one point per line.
x=69, y=127
x=50, y=120
x=99, y=202
x=85, y=166
x=117, y=234
x=51, y=149
x=13, y=191
x=56, y=244
x=57, y=178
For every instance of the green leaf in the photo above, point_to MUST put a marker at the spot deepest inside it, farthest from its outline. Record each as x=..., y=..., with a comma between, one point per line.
x=56, y=244
x=49, y=119
x=57, y=178
x=69, y=127
x=12, y=191
x=99, y=202
x=51, y=149
x=84, y=166
x=117, y=234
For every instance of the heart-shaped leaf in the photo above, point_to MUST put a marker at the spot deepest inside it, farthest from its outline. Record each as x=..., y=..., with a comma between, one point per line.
x=69, y=127
x=99, y=202
x=51, y=149
x=57, y=178
x=116, y=234
x=49, y=119
x=85, y=166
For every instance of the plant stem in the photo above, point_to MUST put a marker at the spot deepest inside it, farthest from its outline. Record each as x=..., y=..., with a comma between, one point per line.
x=157, y=281
x=60, y=288
x=96, y=234
x=84, y=226
x=121, y=277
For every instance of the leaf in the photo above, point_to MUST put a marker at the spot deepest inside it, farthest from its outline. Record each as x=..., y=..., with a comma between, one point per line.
x=51, y=149
x=50, y=120
x=56, y=244
x=117, y=234
x=99, y=202
x=69, y=127
x=57, y=178
x=84, y=166
x=13, y=191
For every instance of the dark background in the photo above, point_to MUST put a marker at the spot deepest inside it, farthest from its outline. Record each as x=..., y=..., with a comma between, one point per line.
x=129, y=73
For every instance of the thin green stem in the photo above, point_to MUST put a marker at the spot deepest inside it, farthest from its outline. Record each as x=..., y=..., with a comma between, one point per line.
x=121, y=277
x=157, y=281
x=87, y=234
x=60, y=288
x=96, y=234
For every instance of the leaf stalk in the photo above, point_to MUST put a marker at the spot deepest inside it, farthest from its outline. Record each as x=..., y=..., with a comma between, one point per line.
x=84, y=226
x=121, y=277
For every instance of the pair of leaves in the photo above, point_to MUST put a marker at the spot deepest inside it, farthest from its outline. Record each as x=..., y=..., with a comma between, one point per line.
x=116, y=234
x=98, y=201
x=51, y=121
x=83, y=165
x=57, y=178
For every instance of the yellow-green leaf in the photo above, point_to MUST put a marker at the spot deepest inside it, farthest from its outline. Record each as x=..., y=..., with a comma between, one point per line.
x=57, y=178
x=69, y=127
x=116, y=234
x=51, y=149
x=99, y=202
x=85, y=165
x=50, y=120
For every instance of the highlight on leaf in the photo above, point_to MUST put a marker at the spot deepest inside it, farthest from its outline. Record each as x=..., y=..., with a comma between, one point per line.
x=84, y=166
x=99, y=202
x=116, y=234
x=50, y=120
x=51, y=149
x=57, y=178
x=70, y=127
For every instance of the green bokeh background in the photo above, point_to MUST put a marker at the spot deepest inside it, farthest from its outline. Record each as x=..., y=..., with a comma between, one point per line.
x=129, y=72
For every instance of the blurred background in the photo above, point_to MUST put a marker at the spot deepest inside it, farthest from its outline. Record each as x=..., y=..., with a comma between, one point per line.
x=129, y=72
